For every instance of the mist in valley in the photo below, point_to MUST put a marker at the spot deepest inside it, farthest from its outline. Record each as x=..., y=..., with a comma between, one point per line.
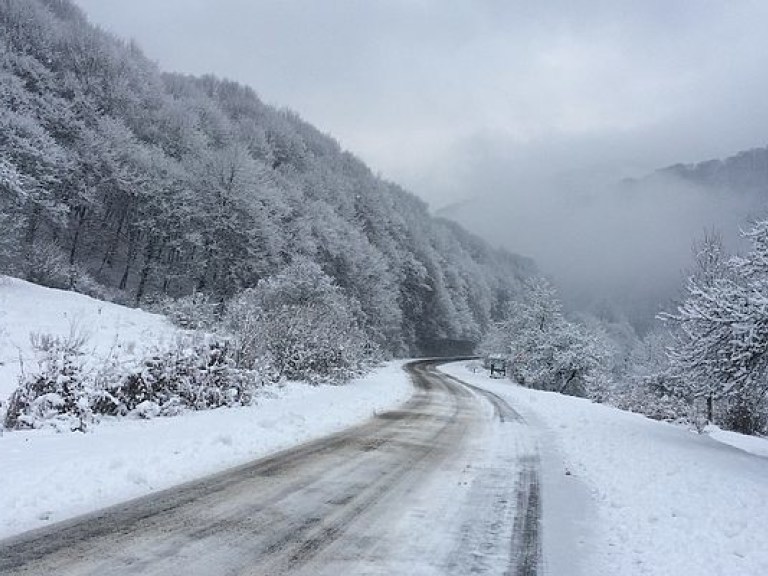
x=613, y=247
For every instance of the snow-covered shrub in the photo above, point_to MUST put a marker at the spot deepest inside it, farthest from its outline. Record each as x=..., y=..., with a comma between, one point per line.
x=598, y=386
x=302, y=324
x=81, y=281
x=244, y=318
x=650, y=398
x=194, y=377
x=197, y=311
x=148, y=410
x=64, y=394
x=745, y=415
x=646, y=386
x=57, y=394
x=209, y=378
x=46, y=265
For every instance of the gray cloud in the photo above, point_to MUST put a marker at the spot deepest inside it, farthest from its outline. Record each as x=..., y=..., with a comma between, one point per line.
x=532, y=106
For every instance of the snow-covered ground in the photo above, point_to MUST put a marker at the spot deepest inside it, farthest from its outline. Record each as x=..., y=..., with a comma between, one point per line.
x=658, y=500
x=751, y=444
x=47, y=476
x=27, y=308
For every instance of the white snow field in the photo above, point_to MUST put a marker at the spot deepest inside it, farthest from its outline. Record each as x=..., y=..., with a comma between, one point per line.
x=655, y=498
x=47, y=476
x=27, y=308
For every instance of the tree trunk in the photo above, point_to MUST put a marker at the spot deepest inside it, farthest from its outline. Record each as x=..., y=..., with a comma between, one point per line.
x=129, y=259
x=564, y=387
x=202, y=282
x=109, y=255
x=149, y=255
x=81, y=212
x=32, y=223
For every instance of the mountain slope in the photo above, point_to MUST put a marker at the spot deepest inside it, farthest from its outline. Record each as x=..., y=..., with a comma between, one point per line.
x=107, y=330
x=119, y=180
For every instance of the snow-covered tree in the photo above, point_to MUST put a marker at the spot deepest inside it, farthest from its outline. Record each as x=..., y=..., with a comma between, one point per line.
x=301, y=323
x=151, y=185
x=547, y=351
x=721, y=347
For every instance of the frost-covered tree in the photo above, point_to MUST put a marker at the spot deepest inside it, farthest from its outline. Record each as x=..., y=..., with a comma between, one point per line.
x=646, y=385
x=302, y=324
x=32, y=166
x=721, y=346
x=547, y=351
x=147, y=185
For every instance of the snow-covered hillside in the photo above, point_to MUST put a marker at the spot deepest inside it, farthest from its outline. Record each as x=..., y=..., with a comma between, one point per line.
x=26, y=308
x=657, y=499
x=48, y=476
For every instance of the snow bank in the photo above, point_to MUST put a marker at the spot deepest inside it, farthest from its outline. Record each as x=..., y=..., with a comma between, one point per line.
x=752, y=444
x=666, y=500
x=46, y=477
x=26, y=308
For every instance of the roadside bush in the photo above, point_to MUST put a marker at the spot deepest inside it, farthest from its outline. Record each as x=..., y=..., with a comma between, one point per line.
x=302, y=325
x=65, y=395
x=649, y=398
x=57, y=395
x=198, y=378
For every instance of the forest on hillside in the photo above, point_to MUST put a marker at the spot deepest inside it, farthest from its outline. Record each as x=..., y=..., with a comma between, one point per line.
x=125, y=182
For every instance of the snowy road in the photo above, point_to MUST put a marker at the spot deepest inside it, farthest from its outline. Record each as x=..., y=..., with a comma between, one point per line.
x=448, y=484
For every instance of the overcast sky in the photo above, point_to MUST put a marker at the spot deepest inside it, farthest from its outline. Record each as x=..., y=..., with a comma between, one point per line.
x=434, y=93
x=533, y=106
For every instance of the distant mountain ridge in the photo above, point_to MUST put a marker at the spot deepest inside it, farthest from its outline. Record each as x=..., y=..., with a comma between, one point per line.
x=746, y=171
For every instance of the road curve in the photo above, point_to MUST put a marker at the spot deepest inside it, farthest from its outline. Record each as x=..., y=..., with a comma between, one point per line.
x=443, y=485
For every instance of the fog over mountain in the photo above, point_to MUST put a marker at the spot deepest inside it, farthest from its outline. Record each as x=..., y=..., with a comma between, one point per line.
x=627, y=241
x=528, y=111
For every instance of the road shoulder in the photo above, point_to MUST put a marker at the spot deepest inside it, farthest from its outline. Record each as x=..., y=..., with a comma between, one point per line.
x=665, y=499
x=566, y=506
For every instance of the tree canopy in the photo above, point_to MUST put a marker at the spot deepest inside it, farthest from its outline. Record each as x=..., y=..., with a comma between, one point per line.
x=121, y=180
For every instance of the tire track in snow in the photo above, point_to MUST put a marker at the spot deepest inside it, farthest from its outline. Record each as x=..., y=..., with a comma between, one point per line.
x=526, y=541
x=523, y=503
